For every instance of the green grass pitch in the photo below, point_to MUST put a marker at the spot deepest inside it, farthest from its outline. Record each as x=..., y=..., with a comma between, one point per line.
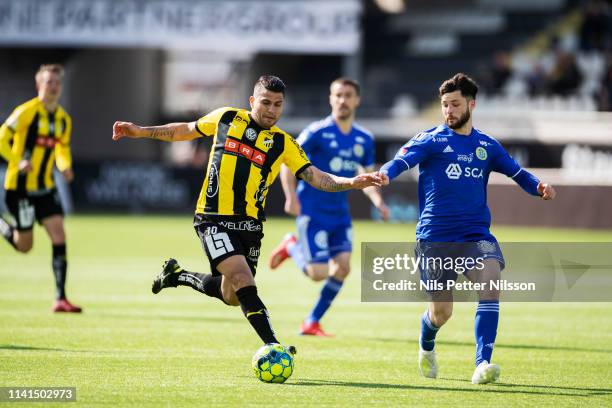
x=179, y=348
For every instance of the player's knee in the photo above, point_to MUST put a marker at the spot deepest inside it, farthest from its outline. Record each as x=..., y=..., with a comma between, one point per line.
x=340, y=272
x=229, y=294
x=318, y=277
x=23, y=243
x=440, y=316
x=242, y=279
x=316, y=274
x=231, y=300
x=24, y=248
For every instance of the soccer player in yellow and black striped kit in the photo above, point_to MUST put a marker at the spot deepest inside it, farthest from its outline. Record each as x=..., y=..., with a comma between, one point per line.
x=33, y=140
x=248, y=150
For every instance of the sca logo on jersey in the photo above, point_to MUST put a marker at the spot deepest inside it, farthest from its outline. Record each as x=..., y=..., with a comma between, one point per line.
x=337, y=164
x=454, y=171
x=481, y=153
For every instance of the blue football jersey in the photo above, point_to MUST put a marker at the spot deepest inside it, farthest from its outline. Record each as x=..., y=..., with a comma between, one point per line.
x=453, y=174
x=337, y=153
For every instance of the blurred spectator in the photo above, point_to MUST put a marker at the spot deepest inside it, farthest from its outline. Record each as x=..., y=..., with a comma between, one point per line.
x=193, y=153
x=200, y=155
x=565, y=77
x=605, y=92
x=497, y=76
x=188, y=154
x=537, y=80
x=595, y=30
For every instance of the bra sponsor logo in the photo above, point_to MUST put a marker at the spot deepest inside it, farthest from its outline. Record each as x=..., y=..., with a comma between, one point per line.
x=45, y=141
x=249, y=152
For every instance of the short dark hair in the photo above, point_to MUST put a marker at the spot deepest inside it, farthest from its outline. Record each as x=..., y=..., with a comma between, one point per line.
x=347, y=81
x=460, y=82
x=271, y=83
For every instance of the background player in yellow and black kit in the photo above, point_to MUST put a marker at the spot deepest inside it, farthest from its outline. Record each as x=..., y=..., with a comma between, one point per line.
x=248, y=150
x=33, y=140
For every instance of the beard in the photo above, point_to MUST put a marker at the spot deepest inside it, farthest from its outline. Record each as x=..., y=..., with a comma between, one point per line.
x=344, y=114
x=461, y=121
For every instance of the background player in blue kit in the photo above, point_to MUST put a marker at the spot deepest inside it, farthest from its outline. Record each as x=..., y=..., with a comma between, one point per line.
x=455, y=161
x=341, y=147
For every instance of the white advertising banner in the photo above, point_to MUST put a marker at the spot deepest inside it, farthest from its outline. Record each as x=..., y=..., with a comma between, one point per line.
x=298, y=26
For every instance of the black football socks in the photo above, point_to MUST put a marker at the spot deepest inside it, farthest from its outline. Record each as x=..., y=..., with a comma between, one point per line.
x=7, y=232
x=256, y=313
x=204, y=283
x=60, y=265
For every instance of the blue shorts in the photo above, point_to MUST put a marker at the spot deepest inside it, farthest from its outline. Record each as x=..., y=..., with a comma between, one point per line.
x=443, y=261
x=323, y=239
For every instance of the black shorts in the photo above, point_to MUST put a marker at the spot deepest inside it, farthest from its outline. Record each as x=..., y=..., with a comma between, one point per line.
x=24, y=207
x=225, y=236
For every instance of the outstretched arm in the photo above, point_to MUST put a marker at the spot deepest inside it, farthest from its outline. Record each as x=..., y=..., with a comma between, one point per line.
x=394, y=168
x=532, y=185
x=328, y=182
x=172, y=132
x=503, y=163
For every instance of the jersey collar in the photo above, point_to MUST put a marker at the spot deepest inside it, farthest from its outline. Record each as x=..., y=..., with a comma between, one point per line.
x=332, y=120
x=445, y=126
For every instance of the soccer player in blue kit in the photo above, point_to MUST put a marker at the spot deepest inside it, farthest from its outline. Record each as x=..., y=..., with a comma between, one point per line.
x=455, y=160
x=341, y=147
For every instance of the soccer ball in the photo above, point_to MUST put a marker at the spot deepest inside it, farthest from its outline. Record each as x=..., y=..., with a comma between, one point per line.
x=273, y=363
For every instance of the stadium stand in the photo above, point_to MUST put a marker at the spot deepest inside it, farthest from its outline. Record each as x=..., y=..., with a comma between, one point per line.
x=545, y=69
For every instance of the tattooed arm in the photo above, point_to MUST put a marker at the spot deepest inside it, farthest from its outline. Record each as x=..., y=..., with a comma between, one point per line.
x=328, y=182
x=172, y=132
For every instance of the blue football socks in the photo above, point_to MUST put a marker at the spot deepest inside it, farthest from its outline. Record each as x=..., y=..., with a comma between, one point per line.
x=427, y=340
x=485, y=329
x=328, y=293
